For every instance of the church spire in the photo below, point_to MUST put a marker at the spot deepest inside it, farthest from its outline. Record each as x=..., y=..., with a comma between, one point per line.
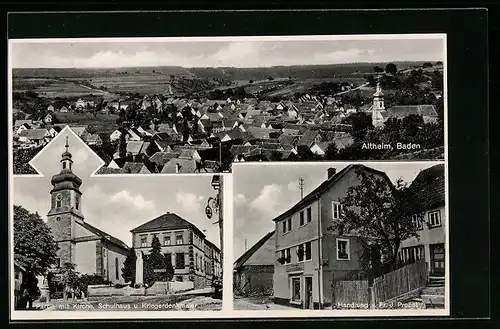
x=66, y=160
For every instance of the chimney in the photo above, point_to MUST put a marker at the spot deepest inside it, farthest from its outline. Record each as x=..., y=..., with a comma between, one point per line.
x=331, y=172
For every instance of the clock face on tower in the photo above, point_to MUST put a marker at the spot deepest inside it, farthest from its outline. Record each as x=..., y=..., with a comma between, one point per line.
x=58, y=200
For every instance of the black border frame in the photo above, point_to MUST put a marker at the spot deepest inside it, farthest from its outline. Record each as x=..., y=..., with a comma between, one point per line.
x=468, y=144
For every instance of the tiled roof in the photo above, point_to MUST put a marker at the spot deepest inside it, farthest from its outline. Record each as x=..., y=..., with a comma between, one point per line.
x=108, y=171
x=104, y=235
x=134, y=147
x=164, y=222
x=401, y=111
x=36, y=134
x=185, y=166
x=161, y=158
x=429, y=187
x=132, y=167
x=243, y=258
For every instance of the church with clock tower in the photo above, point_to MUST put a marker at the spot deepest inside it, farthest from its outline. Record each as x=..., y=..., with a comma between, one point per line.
x=91, y=250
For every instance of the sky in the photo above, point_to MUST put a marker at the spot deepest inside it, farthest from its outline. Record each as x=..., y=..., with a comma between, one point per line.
x=260, y=193
x=236, y=53
x=114, y=204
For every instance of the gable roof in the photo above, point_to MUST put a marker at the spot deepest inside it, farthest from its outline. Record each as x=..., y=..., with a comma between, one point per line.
x=161, y=158
x=167, y=221
x=132, y=167
x=401, y=111
x=243, y=258
x=134, y=147
x=185, y=166
x=326, y=185
x=429, y=187
x=104, y=235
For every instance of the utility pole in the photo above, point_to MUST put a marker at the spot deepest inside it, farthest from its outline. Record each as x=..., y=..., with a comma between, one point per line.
x=221, y=218
x=301, y=187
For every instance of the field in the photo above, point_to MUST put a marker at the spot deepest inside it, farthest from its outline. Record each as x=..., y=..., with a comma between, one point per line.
x=73, y=83
x=100, y=122
x=52, y=88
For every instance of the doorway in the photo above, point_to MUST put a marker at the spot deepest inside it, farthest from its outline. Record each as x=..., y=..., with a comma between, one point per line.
x=308, y=293
x=437, y=259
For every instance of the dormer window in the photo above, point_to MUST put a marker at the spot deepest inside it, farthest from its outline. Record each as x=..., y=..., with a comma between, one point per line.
x=58, y=200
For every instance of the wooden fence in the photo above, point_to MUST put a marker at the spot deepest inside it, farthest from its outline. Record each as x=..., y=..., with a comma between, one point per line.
x=351, y=292
x=401, y=281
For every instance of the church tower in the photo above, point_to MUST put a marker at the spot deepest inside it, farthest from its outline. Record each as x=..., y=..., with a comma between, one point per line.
x=378, y=107
x=65, y=208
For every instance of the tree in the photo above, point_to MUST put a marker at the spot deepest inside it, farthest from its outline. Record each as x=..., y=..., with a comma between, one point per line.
x=128, y=270
x=70, y=278
x=382, y=214
x=122, y=146
x=34, y=246
x=331, y=152
x=361, y=124
x=427, y=65
x=251, y=81
x=156, y=267
x=378, y=69
x=391, y=68
x=270, y=78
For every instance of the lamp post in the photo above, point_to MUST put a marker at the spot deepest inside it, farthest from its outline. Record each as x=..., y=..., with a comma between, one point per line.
x=215, y=205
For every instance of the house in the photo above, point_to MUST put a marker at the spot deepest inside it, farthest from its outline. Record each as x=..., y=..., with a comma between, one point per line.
x=161, y=158
x=309, y=138
x=135, y=168
x=181, y=165
x=64, y=109
x=134, y=147
x=183, y=245
x=253, y=271
x=92, y=139
x=429, y=190
x=19, y=273
x=115, y=135
x=307, y=254
x=54, y=130
x=116, y=163
x=50, y=108
x=20, y=127
x=80, y=104
x=35, y=136
x=47, y=119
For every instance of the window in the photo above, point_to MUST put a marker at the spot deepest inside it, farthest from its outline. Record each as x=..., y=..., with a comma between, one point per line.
x=417, y=223
x=304, y=251
x=117, y=269
x=179, y=278
x=77, y=202
x=179, y=238
x=168, y=258
x=296, y=289
x=411, y=254
x=179, y=260
x=58, y=200
x=301, y=222
x=335, y=210
x=300, y=252
x=58, y=218
x=166, y=240
x=435, y=218
x=58, y=262
x=285, y=256
x=343, y=249
x=309, y=214
x=307, y=247
x=287, y=225
x=144, y=241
